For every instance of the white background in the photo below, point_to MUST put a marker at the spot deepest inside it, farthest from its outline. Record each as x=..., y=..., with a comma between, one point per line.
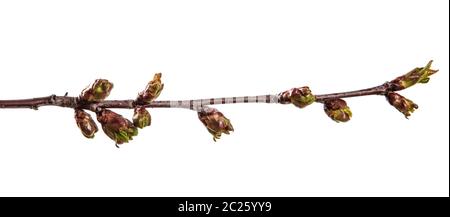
x=226, y=48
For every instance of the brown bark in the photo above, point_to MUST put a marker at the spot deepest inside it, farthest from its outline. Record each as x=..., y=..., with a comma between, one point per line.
x=74, y=102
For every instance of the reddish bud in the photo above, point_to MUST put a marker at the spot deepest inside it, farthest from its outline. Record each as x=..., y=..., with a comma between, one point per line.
x=337, y=110
x=152, y=90
x=401, y=103
x=417, y=75
x=300, y=97
x=85, y=123
x=98, y=91
x=141, y=117
x=116, y=126
x=215, y=122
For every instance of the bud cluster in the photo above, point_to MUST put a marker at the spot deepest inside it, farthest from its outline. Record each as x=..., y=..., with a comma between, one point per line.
x=122, y=130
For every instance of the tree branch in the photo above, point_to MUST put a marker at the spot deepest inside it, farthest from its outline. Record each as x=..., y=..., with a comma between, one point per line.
x=74, y=102
x=121, y=130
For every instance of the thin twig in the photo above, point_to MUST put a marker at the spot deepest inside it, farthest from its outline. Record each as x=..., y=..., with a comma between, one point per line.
x=121, y=130
x=73, y=102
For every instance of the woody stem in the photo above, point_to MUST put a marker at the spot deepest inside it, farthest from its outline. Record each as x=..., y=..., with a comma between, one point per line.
x=378, y=90
x=74, y=102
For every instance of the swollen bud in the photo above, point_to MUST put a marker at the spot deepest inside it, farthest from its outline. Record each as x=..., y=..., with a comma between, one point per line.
x=417, y=75
x=98, y=91
x=116, y=126
x=401, y=103
x=215, y=122
x=141, y=117
x=85, y=123
x=152, y=90
x=337, y=110
x=300, y=97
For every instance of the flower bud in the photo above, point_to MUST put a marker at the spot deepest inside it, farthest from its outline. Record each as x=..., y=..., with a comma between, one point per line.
x=98, y=91
x=85, y=123
x=215, y=122
x=401, y=103
x=417, y=75
x=300, y=97
x=141, y=117
x=116, y=126
x=152, y=90
x=337, y=110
